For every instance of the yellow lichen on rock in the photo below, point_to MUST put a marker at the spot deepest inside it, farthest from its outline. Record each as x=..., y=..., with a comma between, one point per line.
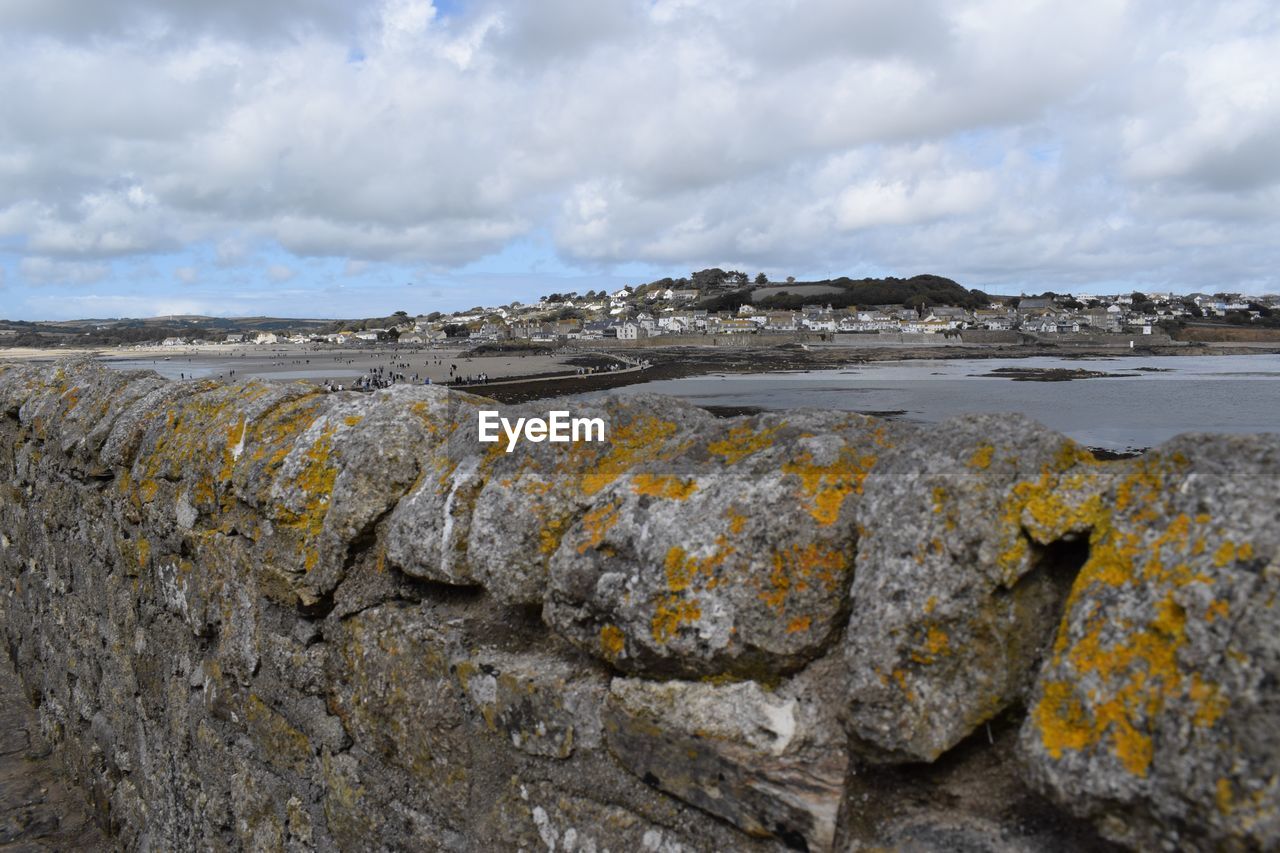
x=682, y=569
x=550, y=535
x=827, y=486
x=1137, y=669
x=935, y=643
x=742, y=441
x=1132, y=668
x=315, y=484
x=671, y=613
x=798, y=568
x=1061, y=720
x=272, y=436
x=612, y=641
x=1064, y=499
x=799, y=624
x=672, y=488
x=597, y=523
x=628, y=445
x=981, y=458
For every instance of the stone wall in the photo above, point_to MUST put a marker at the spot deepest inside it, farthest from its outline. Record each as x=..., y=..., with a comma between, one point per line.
x=256, y=616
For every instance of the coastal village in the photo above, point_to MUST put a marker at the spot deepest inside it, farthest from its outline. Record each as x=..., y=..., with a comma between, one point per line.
x=718, y=307
x=667, y=310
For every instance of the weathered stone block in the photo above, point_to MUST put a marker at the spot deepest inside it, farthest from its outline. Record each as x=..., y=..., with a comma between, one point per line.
x=1157, y=716
x=954, y=596
x=390, y=683
x=763, y=761
x=676, y=570
x=542, y=704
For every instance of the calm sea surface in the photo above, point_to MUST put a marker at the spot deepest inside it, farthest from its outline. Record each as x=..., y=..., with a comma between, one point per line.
x=1149, y=400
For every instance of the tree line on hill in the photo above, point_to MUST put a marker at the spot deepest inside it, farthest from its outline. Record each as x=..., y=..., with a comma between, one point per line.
x=921, y=291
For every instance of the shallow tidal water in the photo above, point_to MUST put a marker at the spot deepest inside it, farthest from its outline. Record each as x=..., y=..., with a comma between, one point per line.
x=1145, y=401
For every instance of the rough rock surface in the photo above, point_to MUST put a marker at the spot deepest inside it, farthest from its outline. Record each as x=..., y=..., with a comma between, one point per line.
x=768, y=761
x=39, y=808
x=256, y=616
x=675, y=568
x=956, y=597
x=1158, y=714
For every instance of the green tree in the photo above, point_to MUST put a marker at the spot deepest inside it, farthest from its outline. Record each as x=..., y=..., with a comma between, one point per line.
x=709, y=278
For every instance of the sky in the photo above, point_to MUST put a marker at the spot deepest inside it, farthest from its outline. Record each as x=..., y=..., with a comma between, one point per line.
x=335, y=158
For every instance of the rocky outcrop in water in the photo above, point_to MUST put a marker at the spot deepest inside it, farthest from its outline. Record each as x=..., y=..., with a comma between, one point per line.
x=258, y=616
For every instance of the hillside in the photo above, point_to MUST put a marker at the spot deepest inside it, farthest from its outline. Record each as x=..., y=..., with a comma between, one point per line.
x=926, y=289
x=845, y=292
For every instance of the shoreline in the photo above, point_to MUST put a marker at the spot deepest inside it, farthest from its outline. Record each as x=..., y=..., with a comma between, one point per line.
x=519, y=377
x=688, y=362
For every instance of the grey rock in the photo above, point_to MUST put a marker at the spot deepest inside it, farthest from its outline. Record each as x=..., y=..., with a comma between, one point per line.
x=542, y=704
x=954, y=597
x=390, y=682
x=771, y=763
x=427, y=532
x=675, y=569
x=1157, y=715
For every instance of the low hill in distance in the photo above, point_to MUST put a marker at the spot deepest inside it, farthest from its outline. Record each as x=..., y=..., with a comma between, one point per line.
x=118, y=331
x=844, y=292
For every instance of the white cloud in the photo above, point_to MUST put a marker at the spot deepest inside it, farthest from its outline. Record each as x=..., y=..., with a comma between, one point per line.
x=992, y=139
x=187, y=275
x=906, y=186
x=1226, y=129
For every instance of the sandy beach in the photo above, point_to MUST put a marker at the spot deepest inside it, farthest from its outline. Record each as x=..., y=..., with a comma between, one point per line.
x=286, y=362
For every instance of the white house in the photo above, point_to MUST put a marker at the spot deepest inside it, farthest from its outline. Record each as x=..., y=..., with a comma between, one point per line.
x=735, y=327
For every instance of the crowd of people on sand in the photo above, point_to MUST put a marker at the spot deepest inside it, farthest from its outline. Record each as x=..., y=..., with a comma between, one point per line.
x=376, y=378
x=397, y=372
